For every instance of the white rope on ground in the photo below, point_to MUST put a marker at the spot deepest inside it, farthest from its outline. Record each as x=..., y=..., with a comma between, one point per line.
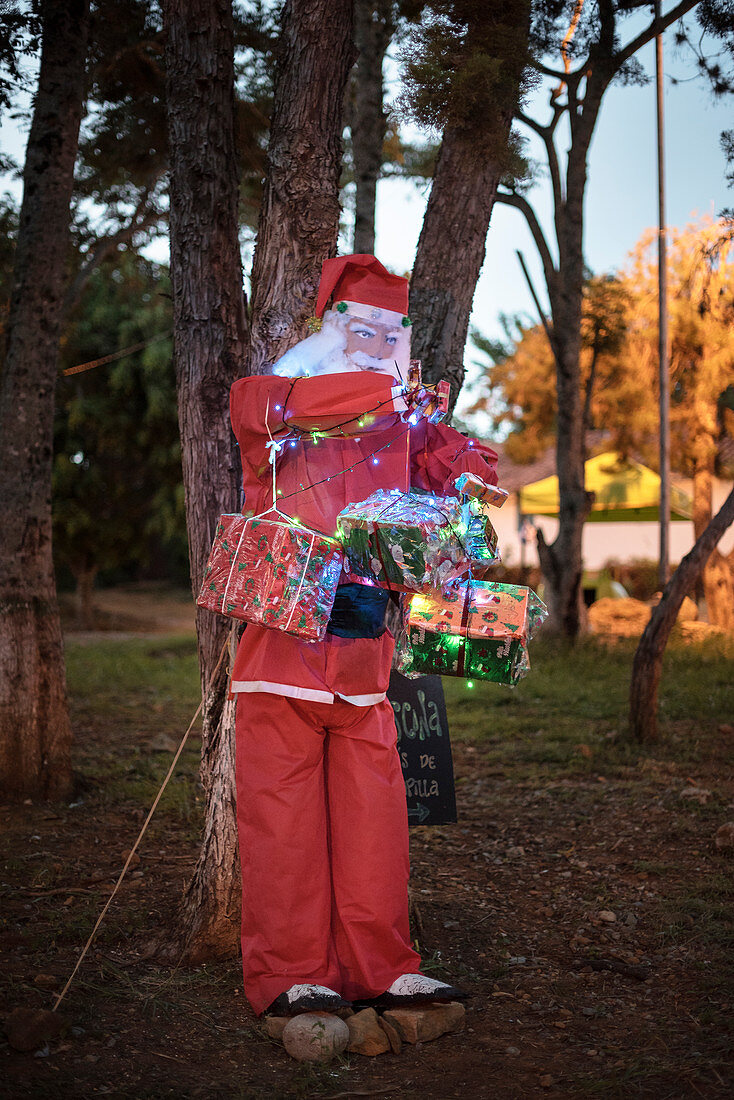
x=152, y=810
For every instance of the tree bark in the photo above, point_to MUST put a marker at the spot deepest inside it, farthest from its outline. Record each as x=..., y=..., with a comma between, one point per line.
x=210, y=343
x=716, y=578
x=35, y=731
x=299, y=221
x=373, y=29
x=453, y=238
x=648, y=660
x=449, y=258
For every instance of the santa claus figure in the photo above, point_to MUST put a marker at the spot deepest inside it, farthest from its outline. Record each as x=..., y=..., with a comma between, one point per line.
x=321, y=807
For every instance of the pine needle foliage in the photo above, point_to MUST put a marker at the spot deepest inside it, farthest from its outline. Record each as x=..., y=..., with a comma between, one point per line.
x=461, y=69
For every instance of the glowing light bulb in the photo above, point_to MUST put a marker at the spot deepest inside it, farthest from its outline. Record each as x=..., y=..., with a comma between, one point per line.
x=470, y=683
x=375, y=462
x=414, y=419
x=278, y=408
x=293, y=443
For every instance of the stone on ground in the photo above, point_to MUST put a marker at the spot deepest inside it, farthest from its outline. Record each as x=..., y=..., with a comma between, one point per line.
x=315, y=1037
x=393, y=1035
x=274, y=1026
x=425, y=1022
x=365, y=1034
x=29, y=1029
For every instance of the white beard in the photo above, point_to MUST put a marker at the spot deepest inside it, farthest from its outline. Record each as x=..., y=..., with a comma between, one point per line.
x=324, y=352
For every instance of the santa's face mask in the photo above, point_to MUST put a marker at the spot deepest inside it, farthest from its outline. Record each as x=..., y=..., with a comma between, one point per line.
x=353, y=337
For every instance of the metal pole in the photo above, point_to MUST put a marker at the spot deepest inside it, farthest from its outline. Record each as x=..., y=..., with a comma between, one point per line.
x=663, y=351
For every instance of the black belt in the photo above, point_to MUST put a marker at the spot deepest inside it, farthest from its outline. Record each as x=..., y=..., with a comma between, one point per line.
x=358, y=612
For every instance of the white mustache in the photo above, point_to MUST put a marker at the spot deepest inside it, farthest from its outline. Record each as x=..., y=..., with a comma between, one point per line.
x=369, y=362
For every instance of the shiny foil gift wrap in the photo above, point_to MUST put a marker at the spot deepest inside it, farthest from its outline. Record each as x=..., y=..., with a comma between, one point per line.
x=473, y=486
x=406, y=542
x=479, y=630
x=270, y=572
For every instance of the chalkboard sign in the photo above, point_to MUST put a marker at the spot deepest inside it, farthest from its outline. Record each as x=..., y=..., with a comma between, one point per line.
x=425, y=751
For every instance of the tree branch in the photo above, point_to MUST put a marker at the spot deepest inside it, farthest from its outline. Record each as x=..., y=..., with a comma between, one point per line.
x=545, y=133
x=512, y=198
x=656, y=27
x=648, y=659
x=141, y=219
x=544, y=70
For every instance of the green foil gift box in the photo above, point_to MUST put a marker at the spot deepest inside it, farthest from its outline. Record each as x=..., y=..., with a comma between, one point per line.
x=407, y=542
x=478, y=630
x=402, y=541
x=267, y=571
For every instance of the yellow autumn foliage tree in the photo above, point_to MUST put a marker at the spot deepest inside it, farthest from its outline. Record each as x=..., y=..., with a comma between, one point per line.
x=701, y=310
x=619, y=371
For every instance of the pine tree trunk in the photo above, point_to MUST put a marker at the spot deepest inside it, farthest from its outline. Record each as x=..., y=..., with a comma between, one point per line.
x=453, y=238
x=299, y=221
x=718, y=584
x=450, y=255
x=210, y=342
x=373, y=29
x=648, y=660
x=35, y=731
x=561, y=562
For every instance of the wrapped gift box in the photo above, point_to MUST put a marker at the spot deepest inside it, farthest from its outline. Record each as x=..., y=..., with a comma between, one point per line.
x=479, y=630
x=270, y=572
x=406, y=542
x=473, y=486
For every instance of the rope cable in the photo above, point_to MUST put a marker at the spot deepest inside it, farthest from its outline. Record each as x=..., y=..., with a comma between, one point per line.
x=132, y=851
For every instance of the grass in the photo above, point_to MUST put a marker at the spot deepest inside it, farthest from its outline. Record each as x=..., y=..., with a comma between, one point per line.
x=576, y=698
x=567, y=717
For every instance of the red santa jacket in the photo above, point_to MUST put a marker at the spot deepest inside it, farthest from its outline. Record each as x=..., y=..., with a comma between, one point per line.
x=342, y=438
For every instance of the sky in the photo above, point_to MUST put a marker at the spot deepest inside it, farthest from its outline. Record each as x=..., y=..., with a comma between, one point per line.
x=621, y=198
x=621, y=193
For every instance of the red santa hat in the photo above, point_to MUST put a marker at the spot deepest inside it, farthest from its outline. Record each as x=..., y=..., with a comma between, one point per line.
x=361, y=278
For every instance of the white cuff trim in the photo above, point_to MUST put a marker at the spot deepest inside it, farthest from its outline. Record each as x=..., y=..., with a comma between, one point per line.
x=398, y=398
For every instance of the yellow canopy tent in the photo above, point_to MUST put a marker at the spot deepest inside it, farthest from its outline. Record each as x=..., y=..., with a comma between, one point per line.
x=625, y=491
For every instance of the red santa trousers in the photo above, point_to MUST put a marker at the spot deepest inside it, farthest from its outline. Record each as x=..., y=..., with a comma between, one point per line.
x=323, y=834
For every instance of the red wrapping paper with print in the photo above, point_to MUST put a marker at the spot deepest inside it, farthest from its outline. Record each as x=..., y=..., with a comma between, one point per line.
x=271, y=572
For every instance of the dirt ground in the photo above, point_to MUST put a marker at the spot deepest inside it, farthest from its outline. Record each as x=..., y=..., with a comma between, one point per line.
x=587, y=915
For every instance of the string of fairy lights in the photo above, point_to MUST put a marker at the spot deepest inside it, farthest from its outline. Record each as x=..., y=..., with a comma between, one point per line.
x=364, y=419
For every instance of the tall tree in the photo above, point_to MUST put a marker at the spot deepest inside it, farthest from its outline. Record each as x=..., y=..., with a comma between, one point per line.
x=300, y=212
x=575, y=97
x=618, y=372
x=519, y=392
x=210, y=343
x=35, y=733
x=374, y=26
x=701, y=292
x=465, y=73
x=298, y=230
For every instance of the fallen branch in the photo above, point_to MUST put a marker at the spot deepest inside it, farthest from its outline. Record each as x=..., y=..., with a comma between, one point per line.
x=627, y=970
